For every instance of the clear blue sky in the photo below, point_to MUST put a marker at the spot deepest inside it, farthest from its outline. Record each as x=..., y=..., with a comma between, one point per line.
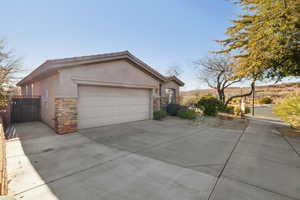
x=159, y=32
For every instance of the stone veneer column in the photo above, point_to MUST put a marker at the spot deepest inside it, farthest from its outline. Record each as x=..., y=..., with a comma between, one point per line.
x=65, y=115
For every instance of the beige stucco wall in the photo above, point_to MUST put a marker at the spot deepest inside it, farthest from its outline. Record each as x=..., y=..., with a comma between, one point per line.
x=169, y=84
x=118, y=72
x=48, y=85
x=64, y=84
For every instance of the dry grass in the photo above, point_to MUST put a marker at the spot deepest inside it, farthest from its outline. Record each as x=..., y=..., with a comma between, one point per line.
x=224, y=122
x=289, y=132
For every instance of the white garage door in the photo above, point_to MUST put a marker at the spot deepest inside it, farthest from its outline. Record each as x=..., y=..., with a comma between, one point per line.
x=98, y=106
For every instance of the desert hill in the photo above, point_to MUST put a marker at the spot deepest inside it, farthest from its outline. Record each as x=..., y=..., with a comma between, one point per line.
x=275, y=91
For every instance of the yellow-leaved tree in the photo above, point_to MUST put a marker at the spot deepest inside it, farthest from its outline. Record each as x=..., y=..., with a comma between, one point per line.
x=289, y=110
x=265, y=39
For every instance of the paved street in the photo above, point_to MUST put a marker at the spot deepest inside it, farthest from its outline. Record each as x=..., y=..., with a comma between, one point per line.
x=264, y=112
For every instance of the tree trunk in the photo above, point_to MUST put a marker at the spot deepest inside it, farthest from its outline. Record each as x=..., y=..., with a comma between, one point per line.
x=221, y=95
x=241, y=95
x=284, y=3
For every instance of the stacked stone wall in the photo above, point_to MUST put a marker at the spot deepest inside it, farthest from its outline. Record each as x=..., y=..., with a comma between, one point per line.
x=65, y=115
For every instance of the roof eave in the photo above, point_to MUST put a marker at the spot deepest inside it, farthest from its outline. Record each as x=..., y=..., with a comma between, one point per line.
x=68, y=62
x=175, y=79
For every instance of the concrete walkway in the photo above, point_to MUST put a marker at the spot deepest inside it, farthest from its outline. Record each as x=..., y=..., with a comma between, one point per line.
x=171, y=159
x=264, y=165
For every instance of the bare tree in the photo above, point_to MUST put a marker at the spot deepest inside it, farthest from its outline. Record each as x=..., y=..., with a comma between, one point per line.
x=218, y=74
x=174, y=70
x=9, y=66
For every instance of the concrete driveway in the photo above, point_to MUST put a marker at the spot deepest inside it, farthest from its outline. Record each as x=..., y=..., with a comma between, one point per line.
x=170, y=159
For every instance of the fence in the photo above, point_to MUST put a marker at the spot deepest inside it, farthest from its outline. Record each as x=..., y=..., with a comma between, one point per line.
x=3, y=175
x=25, y=109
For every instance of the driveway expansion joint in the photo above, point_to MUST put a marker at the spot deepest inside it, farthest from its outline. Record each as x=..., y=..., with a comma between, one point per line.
x=259, y=187
x=227, y=160
x=292, y=146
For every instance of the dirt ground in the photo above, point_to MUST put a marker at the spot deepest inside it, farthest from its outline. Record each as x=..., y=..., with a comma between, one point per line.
x=223, y=122
x=291, y=132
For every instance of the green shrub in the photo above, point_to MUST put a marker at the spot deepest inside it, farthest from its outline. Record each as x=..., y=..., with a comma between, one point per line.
x=289, y=110
x=210, y=105
x=186, y=113
x=159, y=115
x=247, y=110
x=266, y=100
x=172, y=109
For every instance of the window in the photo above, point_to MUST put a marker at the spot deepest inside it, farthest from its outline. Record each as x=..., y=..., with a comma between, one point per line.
x=171, y=95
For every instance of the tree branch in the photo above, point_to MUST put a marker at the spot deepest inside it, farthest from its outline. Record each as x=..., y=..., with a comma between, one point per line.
x=233, y=82
x=241, y=95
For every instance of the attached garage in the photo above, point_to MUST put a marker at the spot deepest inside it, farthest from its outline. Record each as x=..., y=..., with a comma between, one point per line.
x=98, y=90
x=98, y=106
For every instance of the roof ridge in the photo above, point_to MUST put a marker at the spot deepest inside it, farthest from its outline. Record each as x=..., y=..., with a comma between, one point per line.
x=74, y=58
x=145, y=64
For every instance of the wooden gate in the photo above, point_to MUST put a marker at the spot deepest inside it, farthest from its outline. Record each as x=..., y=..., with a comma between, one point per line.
x=25, y=109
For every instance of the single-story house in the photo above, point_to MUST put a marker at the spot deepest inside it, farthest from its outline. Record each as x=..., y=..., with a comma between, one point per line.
x=91, y=91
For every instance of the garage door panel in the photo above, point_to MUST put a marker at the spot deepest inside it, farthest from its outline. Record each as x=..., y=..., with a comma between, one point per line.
x=111, y=92
x=90, y=122
x=104, y=120
x=100, y=106
x=115, y=102
x=91, y=110
x=113, y=113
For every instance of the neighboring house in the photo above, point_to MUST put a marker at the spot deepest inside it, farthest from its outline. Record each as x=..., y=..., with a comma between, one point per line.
x=97, y=90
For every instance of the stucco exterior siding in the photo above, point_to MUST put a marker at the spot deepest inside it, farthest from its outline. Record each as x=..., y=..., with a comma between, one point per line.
x=119, y=72
x=48, y=89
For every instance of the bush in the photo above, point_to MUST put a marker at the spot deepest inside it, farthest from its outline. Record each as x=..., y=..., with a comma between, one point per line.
x=187, y=113
x=210, y=105
x=247, y=110
x=237, y=110
x=266, y=100
x=289, y=110
x=172, y=109
x=159, y=115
